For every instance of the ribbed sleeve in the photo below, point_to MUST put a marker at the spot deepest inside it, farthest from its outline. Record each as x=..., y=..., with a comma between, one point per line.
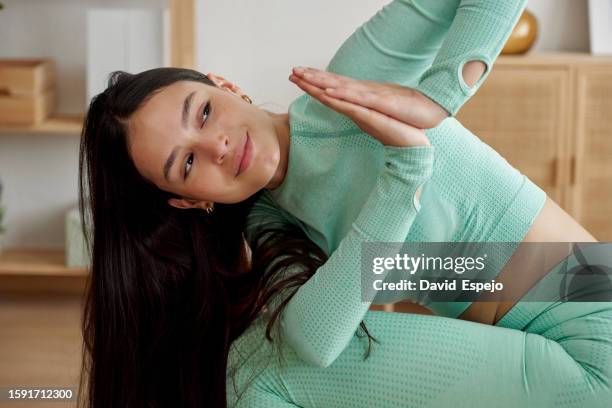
x=478, y=32
x=423, y=44
x=325, y=312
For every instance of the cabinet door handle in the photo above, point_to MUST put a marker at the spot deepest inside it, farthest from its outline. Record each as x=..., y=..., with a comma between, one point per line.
x=573, y=175
x=554, y=179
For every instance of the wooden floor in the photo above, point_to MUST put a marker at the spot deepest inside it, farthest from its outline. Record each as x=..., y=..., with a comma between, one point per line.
x=40, y=343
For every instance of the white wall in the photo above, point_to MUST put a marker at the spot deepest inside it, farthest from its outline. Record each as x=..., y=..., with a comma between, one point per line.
x=39, y=172
x=252, y=42
x=255, y=43
x=563, y=25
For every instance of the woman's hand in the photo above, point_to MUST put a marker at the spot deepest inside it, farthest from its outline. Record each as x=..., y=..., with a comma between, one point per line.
x=402, y=103
x=362, y=110
x=388, y=130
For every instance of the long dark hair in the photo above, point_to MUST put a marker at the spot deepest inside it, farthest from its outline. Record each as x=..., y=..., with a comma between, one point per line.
x=169, y=289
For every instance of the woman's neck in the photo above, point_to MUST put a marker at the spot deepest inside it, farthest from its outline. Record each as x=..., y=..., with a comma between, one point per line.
x=283, y=131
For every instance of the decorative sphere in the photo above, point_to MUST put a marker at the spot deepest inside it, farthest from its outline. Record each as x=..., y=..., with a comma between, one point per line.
x=523, y=36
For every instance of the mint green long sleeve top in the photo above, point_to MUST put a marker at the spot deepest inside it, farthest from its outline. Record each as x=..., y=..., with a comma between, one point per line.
x=343, y=188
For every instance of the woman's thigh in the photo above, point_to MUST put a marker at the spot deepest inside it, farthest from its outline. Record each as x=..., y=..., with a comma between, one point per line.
x=562, y=358
x=545, y=352
x=553, y=348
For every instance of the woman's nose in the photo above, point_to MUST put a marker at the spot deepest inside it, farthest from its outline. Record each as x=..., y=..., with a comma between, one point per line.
x=218, y=148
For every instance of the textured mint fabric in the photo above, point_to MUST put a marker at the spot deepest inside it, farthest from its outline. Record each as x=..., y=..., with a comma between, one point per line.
x=478, y=31
x=473, y=195
x=424, y=44
x=387, y=214
x=338, y=189
x=559, y=356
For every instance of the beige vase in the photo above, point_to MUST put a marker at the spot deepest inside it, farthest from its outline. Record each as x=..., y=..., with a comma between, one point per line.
x=523, y=36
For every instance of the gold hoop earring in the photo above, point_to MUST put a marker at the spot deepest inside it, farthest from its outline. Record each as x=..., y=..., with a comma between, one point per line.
x=246, y=98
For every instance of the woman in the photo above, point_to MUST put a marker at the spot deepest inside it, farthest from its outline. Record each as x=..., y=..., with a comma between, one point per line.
x=170, y=284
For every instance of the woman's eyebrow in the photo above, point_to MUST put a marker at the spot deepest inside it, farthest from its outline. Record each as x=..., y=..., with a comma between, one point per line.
x=184, y=120
x=186, y=109
x=169, y=163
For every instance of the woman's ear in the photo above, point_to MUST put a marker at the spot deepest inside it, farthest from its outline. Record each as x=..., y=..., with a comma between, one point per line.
x=225, y=84
x=185, y=203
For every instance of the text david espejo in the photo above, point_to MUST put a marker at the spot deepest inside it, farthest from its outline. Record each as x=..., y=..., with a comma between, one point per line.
x=440, y=265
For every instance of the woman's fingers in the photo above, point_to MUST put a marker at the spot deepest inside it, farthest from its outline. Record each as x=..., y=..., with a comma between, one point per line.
x=325, y=79
x=354, y=111
x=381, y=97
x=400, y=102
x=322, y=79
x=387, y=130
x=386, y=102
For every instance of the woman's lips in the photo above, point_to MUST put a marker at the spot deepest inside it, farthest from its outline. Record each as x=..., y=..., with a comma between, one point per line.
x=245, y=155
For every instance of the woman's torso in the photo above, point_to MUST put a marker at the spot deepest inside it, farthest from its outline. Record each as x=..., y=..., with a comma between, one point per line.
x=474, y=195
x=552, y=224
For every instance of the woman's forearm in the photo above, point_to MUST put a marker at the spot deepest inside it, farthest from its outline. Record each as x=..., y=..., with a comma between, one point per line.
x=473, y=41
x=322, y=316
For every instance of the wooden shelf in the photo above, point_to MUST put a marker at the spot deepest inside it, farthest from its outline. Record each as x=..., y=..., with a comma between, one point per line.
x=554, y=58
x=55, y=125
x=182, y=48
x=37, y=262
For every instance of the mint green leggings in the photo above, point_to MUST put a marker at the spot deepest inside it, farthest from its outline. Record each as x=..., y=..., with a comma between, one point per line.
x=540, y=354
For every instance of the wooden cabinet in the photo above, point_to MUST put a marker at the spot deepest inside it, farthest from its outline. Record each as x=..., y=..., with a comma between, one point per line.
x=550, y=116
x=590, y=199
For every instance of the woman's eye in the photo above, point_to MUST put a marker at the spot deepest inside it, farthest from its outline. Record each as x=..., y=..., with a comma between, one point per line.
x=205, y=113
x=188, y=164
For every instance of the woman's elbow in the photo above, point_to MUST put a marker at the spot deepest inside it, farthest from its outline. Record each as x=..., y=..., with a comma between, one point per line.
x=321, y=359
x=317, y=355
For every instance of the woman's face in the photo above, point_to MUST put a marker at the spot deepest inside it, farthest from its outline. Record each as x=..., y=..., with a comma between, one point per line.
x=203, y=143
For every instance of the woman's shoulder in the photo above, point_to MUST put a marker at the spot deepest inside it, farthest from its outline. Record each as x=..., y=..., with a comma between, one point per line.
x=265, y=212
x=252, y=358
